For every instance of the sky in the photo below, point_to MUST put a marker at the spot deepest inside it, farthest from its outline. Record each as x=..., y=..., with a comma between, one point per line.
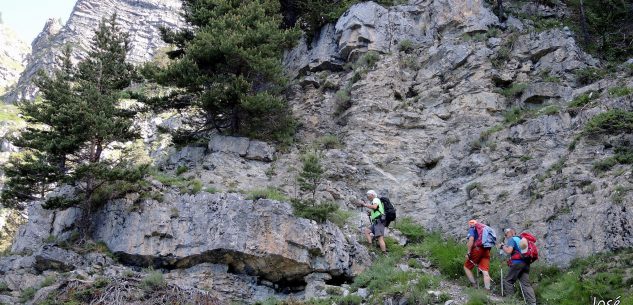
x=27, y=17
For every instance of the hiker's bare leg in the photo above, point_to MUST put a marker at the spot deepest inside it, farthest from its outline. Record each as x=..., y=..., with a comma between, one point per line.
x=381, y=243
x=469, y=275
x=486, y=279
x=368, y=235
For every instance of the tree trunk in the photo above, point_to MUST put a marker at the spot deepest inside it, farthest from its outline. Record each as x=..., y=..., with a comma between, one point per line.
x=500, y=10
x=583, y=23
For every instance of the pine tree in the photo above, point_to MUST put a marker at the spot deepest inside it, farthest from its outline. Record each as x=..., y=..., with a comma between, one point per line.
x=78, y=117
x=311, y=174
x=228, y=65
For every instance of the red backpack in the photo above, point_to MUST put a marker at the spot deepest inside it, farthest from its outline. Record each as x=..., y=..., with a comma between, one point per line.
x=532, y=251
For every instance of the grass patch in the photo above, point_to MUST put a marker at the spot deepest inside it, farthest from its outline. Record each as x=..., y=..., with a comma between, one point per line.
x=27, y=294
x=514, y=91
x=49, y=280
x=619, y=192
x=513, y=116
x=490, y=131
x=330, y=141
x=582, y=100
x=267, y=193
x=410, y=62
x=9, y=113
x=414, y=232
x=181, y=170
x=4, y=288
x=549, y=110
x=447, y=254
x=153, y=280
x=406, y=46
x=343, y=101
x=211, y=190
x=603, y=276
x=620, y=91
x=187, y=185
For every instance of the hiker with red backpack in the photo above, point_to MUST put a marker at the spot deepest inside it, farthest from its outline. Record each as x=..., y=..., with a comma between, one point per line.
x=481, y=238
x=523, y=252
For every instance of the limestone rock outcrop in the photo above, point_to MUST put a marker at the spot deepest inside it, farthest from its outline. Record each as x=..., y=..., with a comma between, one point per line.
x=252, y=237
x=142, y=19
x=368, y=26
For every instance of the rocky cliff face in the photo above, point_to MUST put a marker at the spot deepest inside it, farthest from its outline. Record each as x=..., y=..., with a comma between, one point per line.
x=13, y=53
x=426, y=126
x=140, y=18
x=457, y=116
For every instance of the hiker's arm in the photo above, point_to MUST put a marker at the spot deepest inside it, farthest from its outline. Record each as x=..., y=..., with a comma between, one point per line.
x=469, y=245
x=507, y=249
x=370, y=206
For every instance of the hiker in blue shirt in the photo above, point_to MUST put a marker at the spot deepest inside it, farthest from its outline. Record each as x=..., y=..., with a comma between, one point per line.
x=519, y=269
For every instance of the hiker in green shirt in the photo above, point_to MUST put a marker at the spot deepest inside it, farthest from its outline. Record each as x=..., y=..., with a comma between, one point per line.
x=377, y=217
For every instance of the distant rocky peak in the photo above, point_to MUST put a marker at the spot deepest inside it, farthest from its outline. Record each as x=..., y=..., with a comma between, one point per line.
x=52, y=27
x=141, y=19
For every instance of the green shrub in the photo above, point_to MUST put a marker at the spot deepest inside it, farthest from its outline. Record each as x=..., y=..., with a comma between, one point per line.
x=406, y=46
x=503, y=55
x=620, y=91
x=340, y=217
x=27, y=294
x=4, y=288
x=589, y=75
x=410, y=62
x=49, y=280
x=414, y=232
x=267, y=193
x=329, y=141
x=211, y=190
x=623, y=155
x=343, y=101
x=615, y=121
x=309, y=209
x=153, y=280
x=181, y=170
x=582, y=100
x=368, y=60
x=102, y=282
x=552, y=79
x=195, y=187
x=514, y=91
x=618, y=194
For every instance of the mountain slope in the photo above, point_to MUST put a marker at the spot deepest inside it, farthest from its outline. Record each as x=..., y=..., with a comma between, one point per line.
x=12, y=55
x=141, y=19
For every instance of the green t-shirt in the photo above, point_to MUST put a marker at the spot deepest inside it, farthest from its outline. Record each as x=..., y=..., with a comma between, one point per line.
x=380, y=211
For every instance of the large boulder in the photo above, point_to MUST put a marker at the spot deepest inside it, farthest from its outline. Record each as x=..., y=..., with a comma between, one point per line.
x=260, y=238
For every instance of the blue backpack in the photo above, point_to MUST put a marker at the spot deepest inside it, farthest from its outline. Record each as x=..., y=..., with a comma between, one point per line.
x=487, y=237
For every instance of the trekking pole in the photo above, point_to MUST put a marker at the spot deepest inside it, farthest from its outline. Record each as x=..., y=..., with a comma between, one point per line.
x=501, y=278
x=523, y=294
